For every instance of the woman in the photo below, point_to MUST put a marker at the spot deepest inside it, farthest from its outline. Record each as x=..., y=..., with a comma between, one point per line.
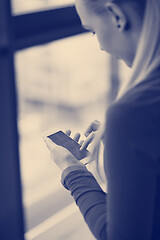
x=129, y=30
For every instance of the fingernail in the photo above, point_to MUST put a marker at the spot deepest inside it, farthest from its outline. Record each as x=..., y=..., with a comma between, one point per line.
x=81, y=148
x=86, y=134
x=45, y=139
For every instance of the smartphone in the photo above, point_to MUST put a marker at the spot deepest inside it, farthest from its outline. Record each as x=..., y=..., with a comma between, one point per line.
x=62, y=139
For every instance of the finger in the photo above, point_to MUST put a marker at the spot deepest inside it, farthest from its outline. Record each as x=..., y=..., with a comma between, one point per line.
x=92, y=127
x=77, y=137
x=68, y=132
x=51, y=156
x=81, y=142
x=49, y=143
x=87, y=141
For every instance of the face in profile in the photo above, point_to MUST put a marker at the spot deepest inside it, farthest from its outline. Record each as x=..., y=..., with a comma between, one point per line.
x=96, y=23
x=108, y=21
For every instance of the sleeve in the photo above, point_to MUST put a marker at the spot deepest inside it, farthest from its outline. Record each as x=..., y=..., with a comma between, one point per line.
x=89, y=197
x=131, y=176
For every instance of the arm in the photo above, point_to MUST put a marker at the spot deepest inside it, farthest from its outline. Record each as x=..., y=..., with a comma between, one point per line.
x=131, y=178
x=86, y=191
x=89, y=196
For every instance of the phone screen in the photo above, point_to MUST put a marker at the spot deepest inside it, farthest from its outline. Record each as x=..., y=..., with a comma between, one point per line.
x=62, y=139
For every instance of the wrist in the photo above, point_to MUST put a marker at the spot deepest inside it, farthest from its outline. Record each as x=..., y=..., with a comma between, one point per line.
x=71, y=164
x=69, y=170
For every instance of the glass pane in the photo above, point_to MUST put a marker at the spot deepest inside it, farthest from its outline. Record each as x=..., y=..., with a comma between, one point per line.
x=61, y=85
x=23, y=6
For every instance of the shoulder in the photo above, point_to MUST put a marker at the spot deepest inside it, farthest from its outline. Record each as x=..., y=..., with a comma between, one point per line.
x=139, y=105
x=135, y=123
x=121, y=120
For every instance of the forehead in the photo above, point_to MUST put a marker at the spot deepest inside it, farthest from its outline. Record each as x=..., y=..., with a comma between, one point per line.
x=93, y=2
x=84, y=11
x=90, y=6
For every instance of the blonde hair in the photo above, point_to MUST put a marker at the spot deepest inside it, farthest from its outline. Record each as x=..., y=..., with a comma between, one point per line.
x=147, y=59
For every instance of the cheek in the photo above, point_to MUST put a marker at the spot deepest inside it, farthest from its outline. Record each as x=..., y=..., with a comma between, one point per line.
x=106, y=35
x=105, y=41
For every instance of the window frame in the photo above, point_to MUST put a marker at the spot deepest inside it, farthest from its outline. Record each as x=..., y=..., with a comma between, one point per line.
x=16, y=33
x=47, y=26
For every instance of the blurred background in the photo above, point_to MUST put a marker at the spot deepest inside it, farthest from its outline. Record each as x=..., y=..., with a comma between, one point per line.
x=61, y=84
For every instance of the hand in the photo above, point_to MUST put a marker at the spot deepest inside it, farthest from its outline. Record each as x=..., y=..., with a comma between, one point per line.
x=90, y=134
x=60, y=155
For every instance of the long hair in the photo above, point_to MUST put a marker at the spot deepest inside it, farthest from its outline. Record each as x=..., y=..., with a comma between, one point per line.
x=147, y=59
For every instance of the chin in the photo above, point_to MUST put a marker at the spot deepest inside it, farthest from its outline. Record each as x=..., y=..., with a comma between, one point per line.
x=128, y=63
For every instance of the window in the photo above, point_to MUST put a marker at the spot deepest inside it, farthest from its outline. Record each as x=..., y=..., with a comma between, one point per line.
x=49, y=98
x=61, y=85
x=22, y=6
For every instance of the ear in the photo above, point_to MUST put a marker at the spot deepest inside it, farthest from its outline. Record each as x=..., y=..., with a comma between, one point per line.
x=118, y=16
